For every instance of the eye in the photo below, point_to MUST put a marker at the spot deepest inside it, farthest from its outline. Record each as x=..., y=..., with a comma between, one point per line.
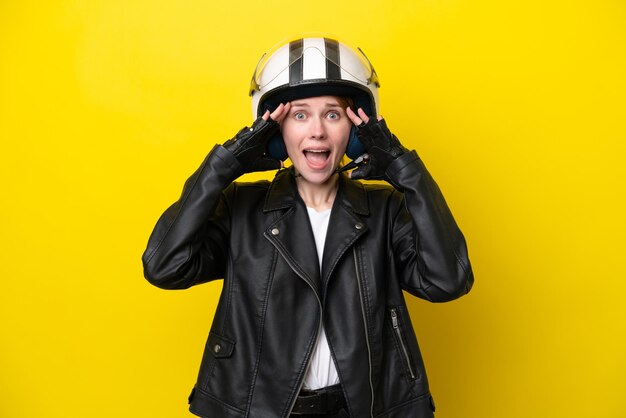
x=333, y=115
x=299, y=116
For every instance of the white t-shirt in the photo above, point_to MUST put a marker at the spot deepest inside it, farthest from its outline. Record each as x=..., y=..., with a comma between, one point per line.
x=322, y=371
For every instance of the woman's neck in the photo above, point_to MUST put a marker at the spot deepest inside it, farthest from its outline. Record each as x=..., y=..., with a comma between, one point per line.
x=318, y=196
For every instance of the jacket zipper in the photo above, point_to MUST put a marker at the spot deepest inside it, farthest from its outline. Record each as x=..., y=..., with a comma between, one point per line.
x=293, y=403
x=396, y=328
x=367, y=337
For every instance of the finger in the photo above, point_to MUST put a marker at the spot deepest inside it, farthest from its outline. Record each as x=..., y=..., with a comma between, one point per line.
x=380, y=117
x=266, y=115
x=353, y=117
x=284, y=113
x=277, y=111
x=363, y=115
x=281, y=112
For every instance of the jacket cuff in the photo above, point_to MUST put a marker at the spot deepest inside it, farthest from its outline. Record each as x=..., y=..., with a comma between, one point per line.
x=399, y=165
x=227, y=157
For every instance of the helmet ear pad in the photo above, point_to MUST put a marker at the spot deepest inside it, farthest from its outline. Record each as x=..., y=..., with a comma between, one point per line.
x=276, y=146
x=355, y=147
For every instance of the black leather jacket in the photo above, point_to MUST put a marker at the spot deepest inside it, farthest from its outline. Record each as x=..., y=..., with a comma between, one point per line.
x=257, y=237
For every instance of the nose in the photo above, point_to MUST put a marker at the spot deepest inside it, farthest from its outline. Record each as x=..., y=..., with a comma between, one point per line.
x=317, y=128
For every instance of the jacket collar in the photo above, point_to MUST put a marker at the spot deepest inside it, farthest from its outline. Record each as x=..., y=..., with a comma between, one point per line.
x=283, y=193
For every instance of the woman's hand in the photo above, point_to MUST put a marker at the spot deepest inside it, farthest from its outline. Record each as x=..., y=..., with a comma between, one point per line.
x=362, y=117
x=279, y=113
x=250, y=144
x=381, y=145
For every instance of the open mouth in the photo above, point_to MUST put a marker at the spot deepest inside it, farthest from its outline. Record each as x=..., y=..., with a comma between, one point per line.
x=316, y=156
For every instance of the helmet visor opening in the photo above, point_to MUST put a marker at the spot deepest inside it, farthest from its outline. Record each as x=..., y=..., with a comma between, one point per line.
x=361, y=96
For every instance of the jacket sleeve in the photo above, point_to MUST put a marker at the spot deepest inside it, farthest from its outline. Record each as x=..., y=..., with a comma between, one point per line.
x=188, y=243
x=429, y=248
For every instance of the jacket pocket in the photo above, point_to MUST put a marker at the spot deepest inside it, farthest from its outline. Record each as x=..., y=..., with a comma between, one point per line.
x=398, y=334
x=220, y=347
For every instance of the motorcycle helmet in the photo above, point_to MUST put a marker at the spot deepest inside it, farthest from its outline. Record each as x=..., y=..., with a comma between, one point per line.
x=314, y=66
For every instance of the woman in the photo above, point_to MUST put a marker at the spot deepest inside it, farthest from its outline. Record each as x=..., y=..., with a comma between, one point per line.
x=312, y=319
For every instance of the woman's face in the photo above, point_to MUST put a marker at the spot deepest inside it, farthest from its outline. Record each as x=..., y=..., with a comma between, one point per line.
x=316, y=132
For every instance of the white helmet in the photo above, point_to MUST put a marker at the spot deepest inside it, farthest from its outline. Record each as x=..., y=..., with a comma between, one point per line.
x=309, y=67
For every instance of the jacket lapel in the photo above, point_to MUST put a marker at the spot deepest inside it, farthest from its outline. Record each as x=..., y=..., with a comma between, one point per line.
x=291, y=233
x=345, y=225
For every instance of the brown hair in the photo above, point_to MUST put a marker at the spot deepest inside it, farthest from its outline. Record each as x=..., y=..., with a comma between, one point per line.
x=346, y=101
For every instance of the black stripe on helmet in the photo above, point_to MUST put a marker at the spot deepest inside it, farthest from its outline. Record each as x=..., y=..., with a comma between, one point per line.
x=333, y=72
x=295, y=61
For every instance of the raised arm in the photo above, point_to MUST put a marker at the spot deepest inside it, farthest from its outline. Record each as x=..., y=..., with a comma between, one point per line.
x=189, y=244
x=429, y=249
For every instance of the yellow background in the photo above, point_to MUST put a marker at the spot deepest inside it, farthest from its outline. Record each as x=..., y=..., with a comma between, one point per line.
x=517, y=107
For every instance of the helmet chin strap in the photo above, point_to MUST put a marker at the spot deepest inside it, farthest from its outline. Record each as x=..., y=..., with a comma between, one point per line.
x=353, y=164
